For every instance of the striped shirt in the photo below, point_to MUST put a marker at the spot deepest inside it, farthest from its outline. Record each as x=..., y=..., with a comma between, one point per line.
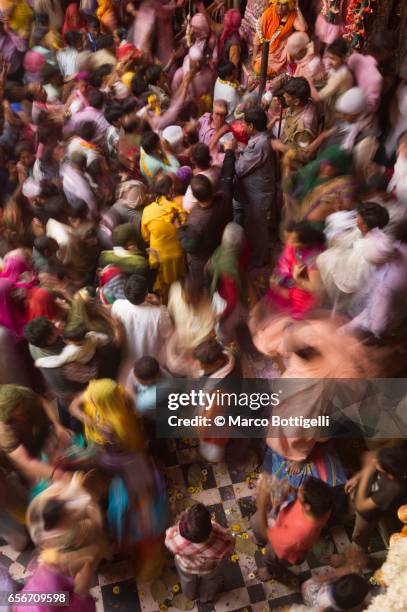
x=200, y=558
x=66, y=59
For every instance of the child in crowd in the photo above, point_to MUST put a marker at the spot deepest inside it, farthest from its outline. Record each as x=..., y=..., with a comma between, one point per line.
x=379, y=488
x=80, y=347
x=339, y=593
x=143, y=383
x=295, y=530
x=199, y=545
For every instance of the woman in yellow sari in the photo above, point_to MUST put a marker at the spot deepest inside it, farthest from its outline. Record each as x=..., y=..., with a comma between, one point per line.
x=107, y=414
x=158, y=228
x=19, y=14
x=276, y=24
x=106, y=15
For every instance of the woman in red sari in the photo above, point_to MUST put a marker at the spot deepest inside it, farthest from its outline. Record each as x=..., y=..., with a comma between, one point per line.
x=74, y=20
x=295, y=288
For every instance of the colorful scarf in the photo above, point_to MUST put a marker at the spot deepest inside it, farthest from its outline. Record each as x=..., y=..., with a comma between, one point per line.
x=111, y=422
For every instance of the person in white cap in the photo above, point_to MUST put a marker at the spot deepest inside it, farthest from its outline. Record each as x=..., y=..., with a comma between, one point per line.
x=353, y=125
x=174, y=137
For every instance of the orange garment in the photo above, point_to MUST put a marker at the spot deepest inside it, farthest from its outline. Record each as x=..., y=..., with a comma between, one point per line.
x=294, y=533
x=270, y=22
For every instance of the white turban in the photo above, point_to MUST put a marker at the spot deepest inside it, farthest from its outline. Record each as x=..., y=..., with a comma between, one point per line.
x=31, y=188
x=352, y=102
x=296, y=42
x=233, y=235
x=377, y=248
x=195, y=53
x=174, y=135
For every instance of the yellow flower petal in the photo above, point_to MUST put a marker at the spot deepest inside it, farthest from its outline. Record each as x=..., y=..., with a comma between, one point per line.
x=235, y=527
x=234, y=558
x=245, y=536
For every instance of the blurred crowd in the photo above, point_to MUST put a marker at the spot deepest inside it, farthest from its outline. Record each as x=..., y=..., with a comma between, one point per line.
x=184, y=185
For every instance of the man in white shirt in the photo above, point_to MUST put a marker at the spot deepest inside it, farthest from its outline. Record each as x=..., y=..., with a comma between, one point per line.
x=227, y=88
x=146, y=324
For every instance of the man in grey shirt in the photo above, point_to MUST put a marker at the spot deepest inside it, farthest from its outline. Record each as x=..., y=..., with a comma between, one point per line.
x=256, y=186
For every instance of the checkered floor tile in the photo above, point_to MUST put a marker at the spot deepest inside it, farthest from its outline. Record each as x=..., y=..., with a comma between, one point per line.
x=227, y=490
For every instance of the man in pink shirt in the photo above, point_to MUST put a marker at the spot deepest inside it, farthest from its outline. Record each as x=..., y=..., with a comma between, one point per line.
x=365, y=68
x=295, y=530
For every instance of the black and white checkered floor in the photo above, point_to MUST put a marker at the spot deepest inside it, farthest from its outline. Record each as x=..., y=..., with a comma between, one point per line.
x=227, y=491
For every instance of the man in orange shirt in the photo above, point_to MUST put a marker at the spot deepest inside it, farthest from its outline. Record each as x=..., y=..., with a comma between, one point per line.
x=295, y=530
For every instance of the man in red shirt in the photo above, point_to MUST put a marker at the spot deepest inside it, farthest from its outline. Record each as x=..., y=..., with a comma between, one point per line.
x=295, y=530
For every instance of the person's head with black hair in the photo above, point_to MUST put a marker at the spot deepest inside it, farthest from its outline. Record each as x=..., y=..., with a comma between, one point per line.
x=202, y=190
x=51, y=74
x=56, y=207
x=138, y=84
x=54, y=512
x=136, y=289
x=146, y=370
x=40, y=332
x=75, y=334
x=73, y=39
x=153, y=74
x=78, y=212
x=96, y=78
x=371, y=215
x=297, y=92
x=47, y=134
x=336, y=53
x=124, y=236
x=382, y=45
x=162, y=185
x=93, y=26
x=129, y=106
x=210, y=356
x=87, y=130
x=349, y=591
x=227, y=71
x=201, y=156
x=96, y=99
x=24, y=153
x=105, y=42
x=113, y=115
x=255, y=120
x=48, y=189
x=196, y=525
x=393, y=462
x=303, y=234
x=316, y=497
x=95, y=168
x=46, y=246
x=132, y=124
x=150, y=142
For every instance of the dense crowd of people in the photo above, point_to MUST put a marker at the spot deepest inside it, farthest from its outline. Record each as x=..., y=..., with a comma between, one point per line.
x=151, y=183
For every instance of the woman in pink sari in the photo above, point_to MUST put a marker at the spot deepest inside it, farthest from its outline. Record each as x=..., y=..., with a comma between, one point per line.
x=12, y=312
x=295, y=288
x=18, y=269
